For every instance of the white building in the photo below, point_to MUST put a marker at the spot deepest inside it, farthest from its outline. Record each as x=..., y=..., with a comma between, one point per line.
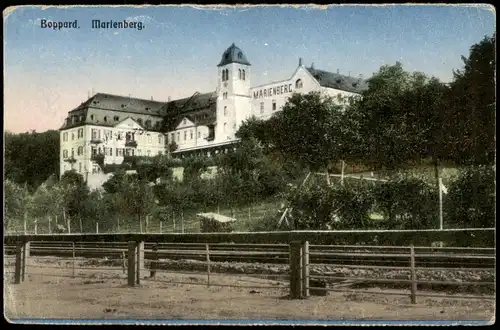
x=106, y=128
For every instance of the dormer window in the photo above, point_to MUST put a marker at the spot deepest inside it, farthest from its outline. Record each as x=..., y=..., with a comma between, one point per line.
x=105, y=119
x=116, y=118
x=298, y=84
x=139, y=121
x=184, y=121
x=240, y=55
x=91, y=117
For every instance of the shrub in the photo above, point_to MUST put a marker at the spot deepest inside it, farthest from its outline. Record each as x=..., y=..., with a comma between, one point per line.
x=470, y=202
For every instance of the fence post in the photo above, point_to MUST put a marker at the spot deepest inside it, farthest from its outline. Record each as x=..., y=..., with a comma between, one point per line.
x=123, y=262
x=27, y=248
x=20, y=265
x=295, y=269
x=208, y=264
x=139, y=259
x=154, y=261
x=74, y=258
x=131, y=263
x=413, y=295
x=305, y=269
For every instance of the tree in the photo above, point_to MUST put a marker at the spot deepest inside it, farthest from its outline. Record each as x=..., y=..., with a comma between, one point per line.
x=307, y=130
x=16, y=201
x=31, y=157
x=471, y=124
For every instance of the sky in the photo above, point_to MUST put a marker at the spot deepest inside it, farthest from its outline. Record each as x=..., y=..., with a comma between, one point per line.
x=49, y=72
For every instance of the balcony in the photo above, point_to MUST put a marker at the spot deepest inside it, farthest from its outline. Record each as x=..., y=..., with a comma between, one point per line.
x=131, y=143
x=95, y=141
x=70, y=160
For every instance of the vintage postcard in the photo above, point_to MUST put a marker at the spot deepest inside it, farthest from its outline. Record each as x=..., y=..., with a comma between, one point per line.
x=250, y=164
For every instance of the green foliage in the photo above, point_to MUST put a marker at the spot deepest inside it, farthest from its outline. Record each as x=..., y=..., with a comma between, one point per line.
x=470, y=122
x=470, y=202
x=31, y=157
x=407, y=203
x=15, y=202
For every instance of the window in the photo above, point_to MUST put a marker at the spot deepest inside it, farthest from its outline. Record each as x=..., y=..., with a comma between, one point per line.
x=105, y=119
x=224, y=96
x=80, y=151
x=72, y=152
x=160, y=139
x=148, y=123
x=139, y=152
x=65, y=136
x=274, y=105
x=239, y=74
x=185, y=135
x=261, y=107
x=94, y=134
x=240, y=55
x=119, y=151
x=298, y=84
x=191, y=134
x=80, y=133
x=139, y=121
x=224, y=129
x=178, y=136
x=199, y=135
x=149, y=153
x=110, y=152
x=225, y=111
x=172, y=137
x=149, y=138
x=65, y=153
x=91, y=117
x=94, y=151
x=243, y=74
x=72, y=136
x=80, y=167
x=116, y=118
x=184, y=121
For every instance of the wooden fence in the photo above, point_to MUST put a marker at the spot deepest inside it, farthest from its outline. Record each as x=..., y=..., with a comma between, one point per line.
x=138, y=255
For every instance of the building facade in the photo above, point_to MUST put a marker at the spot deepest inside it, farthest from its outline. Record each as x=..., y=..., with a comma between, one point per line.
x=107, y=128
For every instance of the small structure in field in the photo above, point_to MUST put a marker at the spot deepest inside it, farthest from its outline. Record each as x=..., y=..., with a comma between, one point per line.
x=215, y=223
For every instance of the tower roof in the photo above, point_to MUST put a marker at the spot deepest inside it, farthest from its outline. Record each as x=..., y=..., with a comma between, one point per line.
x=233, y=55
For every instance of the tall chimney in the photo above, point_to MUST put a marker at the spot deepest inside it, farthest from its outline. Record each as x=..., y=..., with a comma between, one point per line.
x=312, y=65
x=92, y=91
x=300, y=61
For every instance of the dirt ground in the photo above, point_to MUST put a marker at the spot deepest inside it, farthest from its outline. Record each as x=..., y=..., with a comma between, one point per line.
x=102, y=293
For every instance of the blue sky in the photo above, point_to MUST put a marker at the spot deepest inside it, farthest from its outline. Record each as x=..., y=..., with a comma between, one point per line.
x=49, y=72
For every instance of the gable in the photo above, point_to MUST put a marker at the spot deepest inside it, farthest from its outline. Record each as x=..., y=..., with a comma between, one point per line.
x=184, y=123
x=128, y=123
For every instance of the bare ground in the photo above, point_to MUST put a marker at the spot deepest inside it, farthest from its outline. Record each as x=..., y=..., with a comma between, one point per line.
x=100, y=293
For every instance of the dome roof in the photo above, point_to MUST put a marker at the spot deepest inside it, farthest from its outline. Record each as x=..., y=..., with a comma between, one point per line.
x=233, y=55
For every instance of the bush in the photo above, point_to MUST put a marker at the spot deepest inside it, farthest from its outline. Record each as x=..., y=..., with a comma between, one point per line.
x=470, y=202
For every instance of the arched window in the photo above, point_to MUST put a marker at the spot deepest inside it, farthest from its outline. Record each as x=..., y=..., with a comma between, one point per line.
x=243, y=74
x=80, y=150
x=225, y=111
x=298, y=84
x=239, y=74
x=240, y=55
x=225, y=125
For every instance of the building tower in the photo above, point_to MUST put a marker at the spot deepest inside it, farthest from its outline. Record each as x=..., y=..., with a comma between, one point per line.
x=233, y=93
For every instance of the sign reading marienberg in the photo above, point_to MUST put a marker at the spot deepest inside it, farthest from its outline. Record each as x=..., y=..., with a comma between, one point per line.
x=277, y=90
